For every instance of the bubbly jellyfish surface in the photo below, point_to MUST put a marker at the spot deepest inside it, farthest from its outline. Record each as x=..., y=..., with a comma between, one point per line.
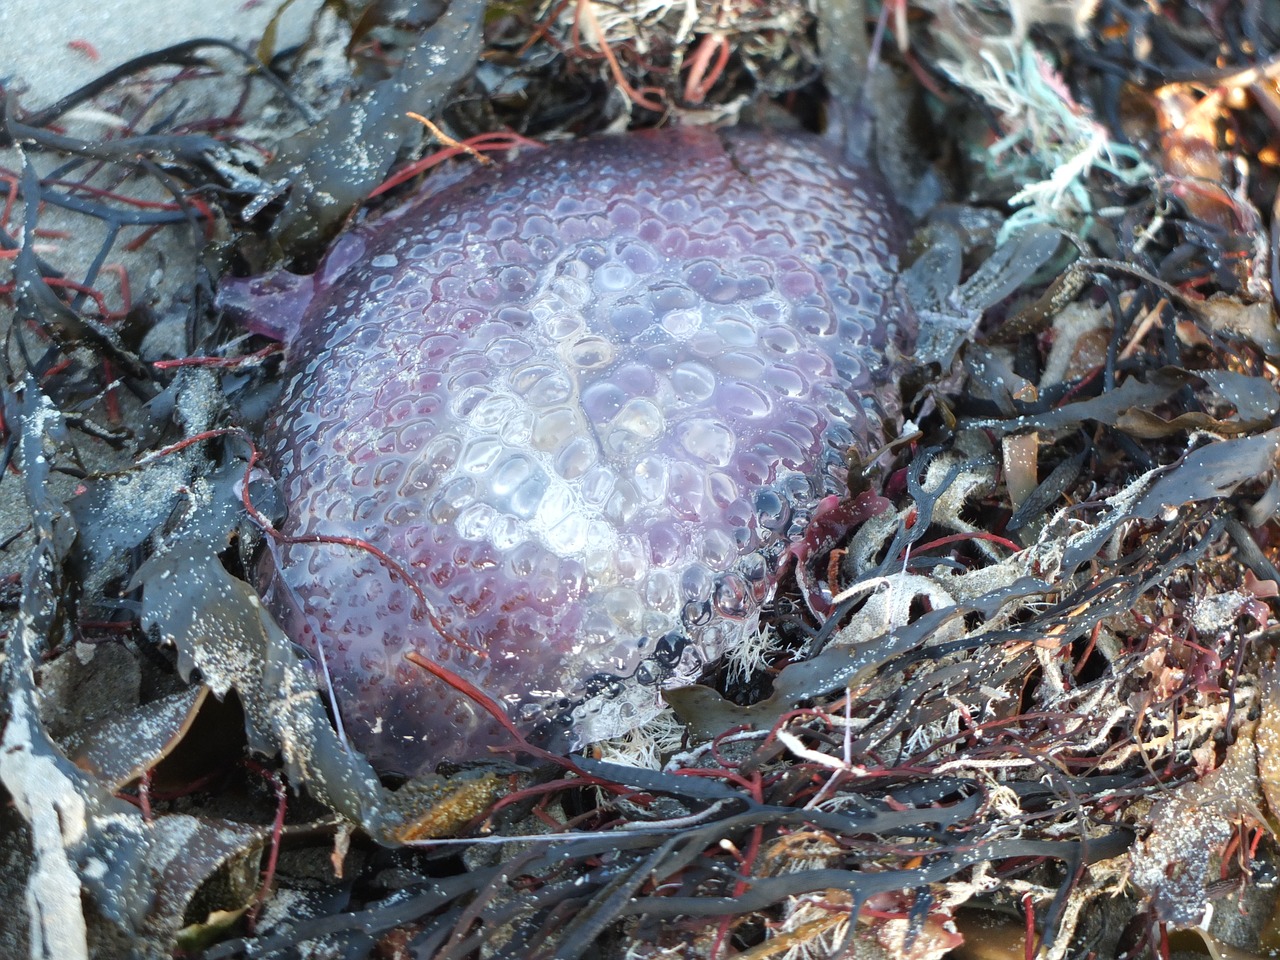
x=584, y=400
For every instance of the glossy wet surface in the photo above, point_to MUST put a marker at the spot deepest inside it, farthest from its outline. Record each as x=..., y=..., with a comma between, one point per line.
x=584, y=401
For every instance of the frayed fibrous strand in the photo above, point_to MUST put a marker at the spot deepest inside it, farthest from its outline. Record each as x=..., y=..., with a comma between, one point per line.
x=1059, y=143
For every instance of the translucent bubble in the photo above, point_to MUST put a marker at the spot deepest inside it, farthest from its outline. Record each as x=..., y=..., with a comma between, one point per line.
x=640, y=417
x=598, y=560
x=722, y=488
x=785, y=380
x=403, y=513
x=613, y=278
x=565, y=526
x=576, y=457
x=526, y=498
x=693, y=382
x=388, y=472
x=516, y=280
x=696, y=583
x=602, y=401
x=672, y=296
x=739, y=365
x=640, y=257
x=505, y=532
x=573, y=291
x=661, y=591
x=735, y=331
x=466, y=400
x=629, y=558
x=517, y=429
x=624, y=608
x=686, y=492
x=637, y=379
x=718, y=550
x=708, y=440
x=816, y=320
x=666, y=543
x=473, y=522
x=453, y=496
x=623, y=505
x=591, y=352
x=731, y=597
x=702, y=275
x=594, y=255
x=772, y=510
x=480, y=454
x=542, y=384
x=556, y=427
x=492, y=413
x=681, y=324
x=650, y=478
x=508, y=351
x=743, y=400
x=597, y=485
x=631, y=319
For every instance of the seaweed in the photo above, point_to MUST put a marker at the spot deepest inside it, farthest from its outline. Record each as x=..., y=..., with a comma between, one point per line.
x=944, y=717
x=140, y=877
x=331, y=167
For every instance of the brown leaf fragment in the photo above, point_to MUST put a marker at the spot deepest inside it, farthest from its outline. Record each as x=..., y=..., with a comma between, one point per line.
x=122, y=748
x=440, y=810
x=1147, y=426
x=1255, y=322
x=1189, y=136
x=1254, y=398
x=1021, y=464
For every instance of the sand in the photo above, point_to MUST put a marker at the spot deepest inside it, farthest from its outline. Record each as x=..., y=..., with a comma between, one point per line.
x=54, y=46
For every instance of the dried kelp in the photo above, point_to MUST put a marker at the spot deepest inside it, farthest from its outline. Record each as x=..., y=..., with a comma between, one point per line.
x=140, y=876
